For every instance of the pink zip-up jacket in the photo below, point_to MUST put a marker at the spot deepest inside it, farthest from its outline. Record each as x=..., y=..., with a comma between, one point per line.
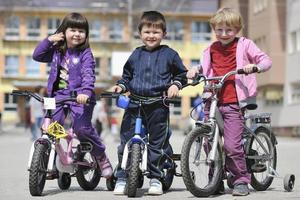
x=246, y=53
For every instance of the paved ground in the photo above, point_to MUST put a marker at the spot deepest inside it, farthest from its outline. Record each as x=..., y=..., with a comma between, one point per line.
x=15, y=144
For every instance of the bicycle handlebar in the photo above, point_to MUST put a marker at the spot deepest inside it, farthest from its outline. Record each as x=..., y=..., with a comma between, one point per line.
x=41, y=99
x=141, y=100
x=220, y=79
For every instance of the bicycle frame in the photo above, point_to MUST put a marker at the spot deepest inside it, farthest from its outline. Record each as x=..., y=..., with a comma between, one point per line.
x=64, y=161
x=138, y=137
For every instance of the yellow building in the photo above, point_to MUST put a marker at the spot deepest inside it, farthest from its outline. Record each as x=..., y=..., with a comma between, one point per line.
x=112, y=30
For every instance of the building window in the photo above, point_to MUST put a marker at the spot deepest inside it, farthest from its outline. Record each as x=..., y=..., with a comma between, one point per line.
x=175, y=109
x=33, y=27
x=295, y=93
x=97, y=67
x=294, y=41
x=115, y=30
x=32, y=67
x=195, y=62
x=259, y=5
x=53, y=24
x=10, y=102
x=174, y=30
x=12, y=24
x=109, y=70
x=95, y=30
x=48, y=68
x=11, y=65
x=201, y=31
x=274, y=96
x=261, y=43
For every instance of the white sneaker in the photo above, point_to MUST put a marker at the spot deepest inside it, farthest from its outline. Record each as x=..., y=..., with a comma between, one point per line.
x=155, y=187
x=120, y=186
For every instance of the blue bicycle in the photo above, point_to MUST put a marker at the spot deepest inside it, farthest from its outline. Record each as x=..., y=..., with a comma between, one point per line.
x=134, y=161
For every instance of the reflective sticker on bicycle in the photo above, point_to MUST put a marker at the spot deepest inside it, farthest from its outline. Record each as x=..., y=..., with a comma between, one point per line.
x=57, y=130
x=49, y=103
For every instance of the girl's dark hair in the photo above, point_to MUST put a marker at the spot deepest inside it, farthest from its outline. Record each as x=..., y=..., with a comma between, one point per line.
x=74, y=20
x=152, y=18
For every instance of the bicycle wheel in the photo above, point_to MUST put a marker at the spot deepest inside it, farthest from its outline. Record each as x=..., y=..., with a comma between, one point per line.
x=134, y=170
x=200, y=175
x=261, y=163
x=38, y=169
x=87, y=177
x=168, y=168
x=64, y=181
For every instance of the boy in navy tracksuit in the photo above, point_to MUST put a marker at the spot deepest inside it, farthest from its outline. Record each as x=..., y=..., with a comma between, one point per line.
x=149, y=72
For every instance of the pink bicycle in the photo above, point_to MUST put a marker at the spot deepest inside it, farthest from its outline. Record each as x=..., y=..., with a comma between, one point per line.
x=51, y=158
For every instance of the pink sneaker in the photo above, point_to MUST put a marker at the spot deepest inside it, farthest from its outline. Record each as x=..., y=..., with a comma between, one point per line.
x=105, y=166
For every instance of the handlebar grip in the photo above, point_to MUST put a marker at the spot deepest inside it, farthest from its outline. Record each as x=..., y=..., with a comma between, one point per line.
x=241, y=71
x=175, y=101
x=110, y=95
x=255, y=69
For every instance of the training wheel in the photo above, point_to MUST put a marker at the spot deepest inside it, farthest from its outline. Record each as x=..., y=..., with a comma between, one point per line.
x=288, y=182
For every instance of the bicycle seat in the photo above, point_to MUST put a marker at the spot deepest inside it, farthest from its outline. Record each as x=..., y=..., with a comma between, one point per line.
x=251, y=106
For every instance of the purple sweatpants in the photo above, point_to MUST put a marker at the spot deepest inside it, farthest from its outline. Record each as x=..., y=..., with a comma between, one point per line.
x=81, y=119
x=235, y=161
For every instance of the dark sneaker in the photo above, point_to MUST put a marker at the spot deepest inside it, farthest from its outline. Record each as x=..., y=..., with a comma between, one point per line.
x=221, y=189
x=240, y=190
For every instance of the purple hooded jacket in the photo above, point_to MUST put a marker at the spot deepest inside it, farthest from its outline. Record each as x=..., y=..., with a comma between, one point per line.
x=81, y=67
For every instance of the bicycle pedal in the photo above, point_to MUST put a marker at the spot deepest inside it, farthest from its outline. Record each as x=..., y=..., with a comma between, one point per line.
x=84, y=147
x=176, y=156
x=258, y=168
x=51, y=176
x=204, y=126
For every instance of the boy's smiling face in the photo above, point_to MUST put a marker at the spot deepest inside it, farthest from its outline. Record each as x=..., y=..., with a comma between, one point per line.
x=224, y=33
x=151, y=36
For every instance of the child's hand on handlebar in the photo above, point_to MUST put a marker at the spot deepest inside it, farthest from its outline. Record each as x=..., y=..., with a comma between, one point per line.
x=250, y=68
x=82, y=98
x=173, y=91
x=117, y=89
x=192, y=73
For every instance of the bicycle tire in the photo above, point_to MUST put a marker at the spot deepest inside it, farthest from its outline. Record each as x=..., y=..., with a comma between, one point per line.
x=134, y=170
x=38, y=169
x=64, y=180
x=265, y=180
x=87, y=177
x=209, y=184
x=169, y=172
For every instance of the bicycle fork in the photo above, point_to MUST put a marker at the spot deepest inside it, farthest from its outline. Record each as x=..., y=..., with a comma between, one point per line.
x=136, y=139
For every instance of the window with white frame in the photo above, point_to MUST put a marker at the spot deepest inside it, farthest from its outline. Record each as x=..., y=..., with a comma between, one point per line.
x=12, y=25
x=115, y=30
x=294, y=41
x=10, y=102
x=11, y=67
x=32, y=67
x=97, y=67
x=95, y=30
x=48, y=68
x=201, y=31
x=33, y=27
x=175, y=109
x=259, y=5
x=261, y=42
x=174, y=30
x=53, y=24
x=109, y=73
x=295, y=93
x=195, y=62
